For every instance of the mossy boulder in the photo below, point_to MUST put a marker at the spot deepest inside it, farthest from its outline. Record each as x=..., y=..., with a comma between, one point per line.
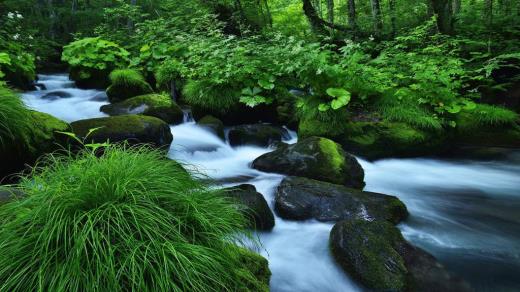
x=253, y=205
x=256, y=134
x=314, y=157
x=43, y=138
x=156, y=105
x=469, y=133
x=300, y=198
x=214, y=125
x=134, y=129
x=375, y=253
x=259, y=267
x=379, y=139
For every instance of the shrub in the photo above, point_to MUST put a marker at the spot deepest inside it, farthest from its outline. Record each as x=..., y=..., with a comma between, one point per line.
x=94, y=58
x=123, y=221
x=15, y=119
x=126, y=83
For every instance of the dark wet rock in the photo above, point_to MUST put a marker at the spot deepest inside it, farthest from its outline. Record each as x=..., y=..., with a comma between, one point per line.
x=101, y=96
x=214, y=125
x=123, y=91
x=8, y=193
x=300, y=198
x=256, y=207
x=256, y=134
x=375, y=253
x=155, y=105
x=54, y=95
x=40, y=86
x=314, y=157
x=134, y=129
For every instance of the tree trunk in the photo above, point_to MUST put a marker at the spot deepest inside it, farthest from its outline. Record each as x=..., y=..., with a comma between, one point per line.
x=268, y=11
x=443, y=11
x=489, y=11
x=352, y=23
x=330, y=10
x=318, y=25
x=130, y=23
x=377, y=18
x=393, y=16
x=456, y=6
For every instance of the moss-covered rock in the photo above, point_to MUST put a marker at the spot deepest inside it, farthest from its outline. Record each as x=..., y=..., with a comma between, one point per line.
x=259, y=266
x=89, y=78
x=156, y=105
x=214, y=125
x=300, y=198
x=256, y=134
x=314, y=157
x=43, y=138
x=379, y=139
x=375, y=253
x=127, y=83
x=253, y=206
x=134, y=129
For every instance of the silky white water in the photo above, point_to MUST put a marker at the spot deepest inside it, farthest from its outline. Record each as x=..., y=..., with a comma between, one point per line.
x=466, y=213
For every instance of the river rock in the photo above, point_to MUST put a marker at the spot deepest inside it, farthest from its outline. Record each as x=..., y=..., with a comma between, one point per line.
x=54, y=95
x=314, y=157
x=43, y=138
x=299, y=198
x=256, y=134
x=134, y=129
x=375, y=253
x=213, y=124
x=256, y=207
x=258, y=266
x=155, y=105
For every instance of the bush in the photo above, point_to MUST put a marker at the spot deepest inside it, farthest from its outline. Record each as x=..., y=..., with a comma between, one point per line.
x=124, y=221
x=92, y=59
x=126, y=83
x=15, y=120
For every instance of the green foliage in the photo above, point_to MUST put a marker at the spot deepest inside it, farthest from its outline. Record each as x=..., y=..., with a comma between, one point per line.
x=203, y=94
x=486, y=116
x=128, y=78
x=95, y=54
x=15, y=120
x=126, y=220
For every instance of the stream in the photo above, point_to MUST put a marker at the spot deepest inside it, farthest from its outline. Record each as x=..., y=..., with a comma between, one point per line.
x=465, y=212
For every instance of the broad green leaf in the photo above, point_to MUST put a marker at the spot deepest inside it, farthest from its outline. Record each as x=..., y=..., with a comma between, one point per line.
x=323, y=107
x=337, y=92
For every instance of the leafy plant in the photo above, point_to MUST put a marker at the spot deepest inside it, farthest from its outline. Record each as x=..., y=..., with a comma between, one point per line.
x=126, y=220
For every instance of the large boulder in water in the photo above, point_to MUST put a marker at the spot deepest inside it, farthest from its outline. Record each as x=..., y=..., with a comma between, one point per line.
x=43, y=138
x=252, y=205
x=134, y=129
x=300, y=198
x=156, y=105
x=214, y=125
x=375, y=253
x=256, y=134
x=314, y=157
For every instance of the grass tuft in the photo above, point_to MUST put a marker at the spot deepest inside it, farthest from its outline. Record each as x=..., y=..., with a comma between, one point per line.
x=409, y=112
x=490, y=115
x=217, y=98
x=15, y=119
x=128, y=220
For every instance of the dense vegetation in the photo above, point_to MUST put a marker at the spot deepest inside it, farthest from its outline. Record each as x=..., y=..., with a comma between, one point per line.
x=380, y=77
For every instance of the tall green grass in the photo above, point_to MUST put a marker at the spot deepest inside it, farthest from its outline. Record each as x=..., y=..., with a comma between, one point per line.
x=126, y=77
x=15, y=119
x=126, y=220
x=409, y=112
x=204, y=94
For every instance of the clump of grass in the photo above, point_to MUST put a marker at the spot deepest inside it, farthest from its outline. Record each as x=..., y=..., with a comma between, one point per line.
x=15, y=119
x=128, y=220
x=126, y=83
x=490, y=115
x=409, y=112
x=204, y=94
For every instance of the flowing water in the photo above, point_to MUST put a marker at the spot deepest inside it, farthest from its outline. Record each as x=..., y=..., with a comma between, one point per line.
x=466, y=213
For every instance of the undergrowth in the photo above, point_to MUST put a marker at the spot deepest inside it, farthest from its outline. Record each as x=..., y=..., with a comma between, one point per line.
x=126, y=220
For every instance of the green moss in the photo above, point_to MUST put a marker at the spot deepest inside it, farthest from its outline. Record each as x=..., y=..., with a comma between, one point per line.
x=367, y=251
x=156, y=105
x=331, y=151
x=256, y=265
x=487, y=116
x=311, y=127
x=45, y=133
x=214, y=124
